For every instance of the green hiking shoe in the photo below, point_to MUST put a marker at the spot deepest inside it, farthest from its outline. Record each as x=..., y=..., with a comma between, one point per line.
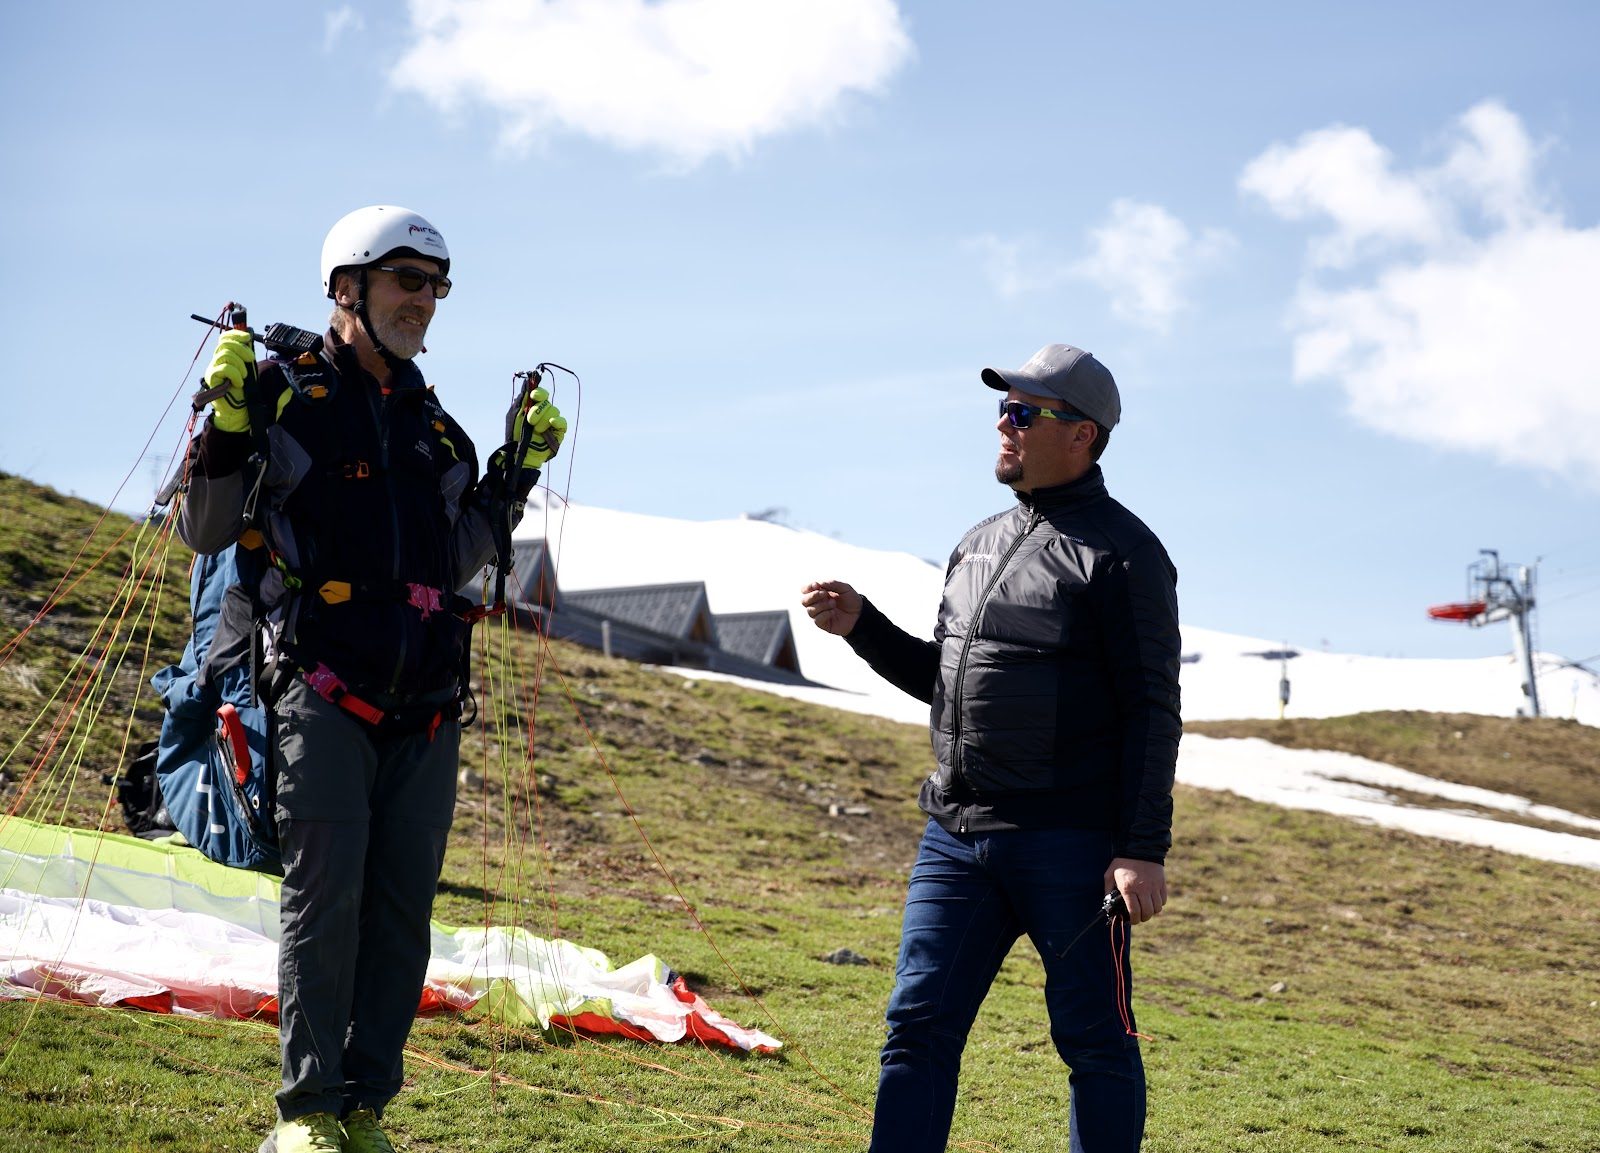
x=313, y=1133
x=362, y=1135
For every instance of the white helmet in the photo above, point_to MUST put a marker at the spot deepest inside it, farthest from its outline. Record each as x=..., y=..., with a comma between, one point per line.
x=367, y=235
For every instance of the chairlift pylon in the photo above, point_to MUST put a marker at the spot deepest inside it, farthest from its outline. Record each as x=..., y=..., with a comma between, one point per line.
x=1497, y=592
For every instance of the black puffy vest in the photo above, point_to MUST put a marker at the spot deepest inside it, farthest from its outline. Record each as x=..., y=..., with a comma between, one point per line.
x=1056, y=699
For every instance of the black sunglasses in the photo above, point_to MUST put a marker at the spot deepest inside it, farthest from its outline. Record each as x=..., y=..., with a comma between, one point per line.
x=1021, y=414
x=412, y=279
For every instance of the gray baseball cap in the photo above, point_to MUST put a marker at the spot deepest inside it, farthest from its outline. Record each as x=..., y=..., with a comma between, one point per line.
x=1068, y=374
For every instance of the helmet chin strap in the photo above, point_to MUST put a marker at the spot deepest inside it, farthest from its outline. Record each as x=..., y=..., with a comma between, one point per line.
x=360, y=310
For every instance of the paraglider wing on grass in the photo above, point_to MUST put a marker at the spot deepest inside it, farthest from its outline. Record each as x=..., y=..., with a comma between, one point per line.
x=114, y=920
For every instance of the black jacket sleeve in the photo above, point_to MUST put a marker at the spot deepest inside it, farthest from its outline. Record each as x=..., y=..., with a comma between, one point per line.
x=909, y=664
x=1138, y=603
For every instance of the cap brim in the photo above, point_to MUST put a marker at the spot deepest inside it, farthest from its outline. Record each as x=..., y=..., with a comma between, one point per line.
x=995, y=378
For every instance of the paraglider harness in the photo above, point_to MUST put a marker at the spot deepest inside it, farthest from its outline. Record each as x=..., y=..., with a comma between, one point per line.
x=212, y=766
x=306, y=374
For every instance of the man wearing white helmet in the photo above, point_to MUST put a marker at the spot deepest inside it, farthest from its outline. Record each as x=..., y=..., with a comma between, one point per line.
x=357, y=508
x=360, y=242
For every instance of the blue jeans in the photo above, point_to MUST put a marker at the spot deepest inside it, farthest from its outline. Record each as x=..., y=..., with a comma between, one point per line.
x=971, y=896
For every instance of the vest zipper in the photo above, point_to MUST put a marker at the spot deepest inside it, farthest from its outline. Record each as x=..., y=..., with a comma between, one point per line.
x=958, y=764
x=383, y=414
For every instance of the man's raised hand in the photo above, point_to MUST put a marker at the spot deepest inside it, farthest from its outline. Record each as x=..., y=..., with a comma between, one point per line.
x=834, y=607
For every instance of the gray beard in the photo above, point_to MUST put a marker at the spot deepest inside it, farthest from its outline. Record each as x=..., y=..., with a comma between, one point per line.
x=401, y=340
x=1008, y=473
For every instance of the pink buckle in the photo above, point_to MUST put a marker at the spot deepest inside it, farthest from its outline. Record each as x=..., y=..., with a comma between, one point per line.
x=425, y=600
x=325, y=683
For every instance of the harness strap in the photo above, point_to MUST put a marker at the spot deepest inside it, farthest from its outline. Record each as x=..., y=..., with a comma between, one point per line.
x=424, y=598
x=327, y=685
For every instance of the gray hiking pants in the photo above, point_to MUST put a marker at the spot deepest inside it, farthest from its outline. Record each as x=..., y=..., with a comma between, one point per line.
x=362, y=821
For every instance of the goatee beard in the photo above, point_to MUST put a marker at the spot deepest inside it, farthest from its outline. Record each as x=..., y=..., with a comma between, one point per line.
x=1008, y=473
x=402, y=340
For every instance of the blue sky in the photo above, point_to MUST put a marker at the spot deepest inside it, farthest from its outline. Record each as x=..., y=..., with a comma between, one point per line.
x=1342, y=262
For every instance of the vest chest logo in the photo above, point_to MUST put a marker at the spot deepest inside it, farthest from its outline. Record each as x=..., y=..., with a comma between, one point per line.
x=975, y=558
x=424, y=449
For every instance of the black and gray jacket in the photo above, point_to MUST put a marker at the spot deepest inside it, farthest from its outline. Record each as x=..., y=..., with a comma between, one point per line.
x=371, y=516
x=1052, y=675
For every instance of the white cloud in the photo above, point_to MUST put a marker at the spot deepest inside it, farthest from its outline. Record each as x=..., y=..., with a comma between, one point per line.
x=1014, y=268
x=1343, y=174
x=688, y=79
x=1461, y=313
x=336, y=23
x=1142, y=256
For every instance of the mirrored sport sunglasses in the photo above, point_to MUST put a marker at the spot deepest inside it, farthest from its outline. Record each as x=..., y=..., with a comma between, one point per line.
x=412, y=279
x=1021, y=414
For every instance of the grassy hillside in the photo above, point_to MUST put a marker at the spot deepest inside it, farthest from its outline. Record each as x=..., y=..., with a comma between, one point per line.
x=90, y=604
x=1315, y=984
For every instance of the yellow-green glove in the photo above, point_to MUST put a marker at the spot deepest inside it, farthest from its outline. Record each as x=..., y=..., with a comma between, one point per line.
x=232, y=364
x=547, y=424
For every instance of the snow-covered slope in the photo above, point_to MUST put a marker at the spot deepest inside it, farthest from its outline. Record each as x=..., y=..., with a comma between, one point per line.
x=751, y=565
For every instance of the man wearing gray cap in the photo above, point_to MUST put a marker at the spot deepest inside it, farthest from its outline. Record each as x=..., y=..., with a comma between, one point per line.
x=1053, y=681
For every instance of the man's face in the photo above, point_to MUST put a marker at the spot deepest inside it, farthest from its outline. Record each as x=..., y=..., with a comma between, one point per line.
x=1047, y=452
x=400, y=318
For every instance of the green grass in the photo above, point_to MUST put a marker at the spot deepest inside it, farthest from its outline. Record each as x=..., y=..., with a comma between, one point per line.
x=1315, y=984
